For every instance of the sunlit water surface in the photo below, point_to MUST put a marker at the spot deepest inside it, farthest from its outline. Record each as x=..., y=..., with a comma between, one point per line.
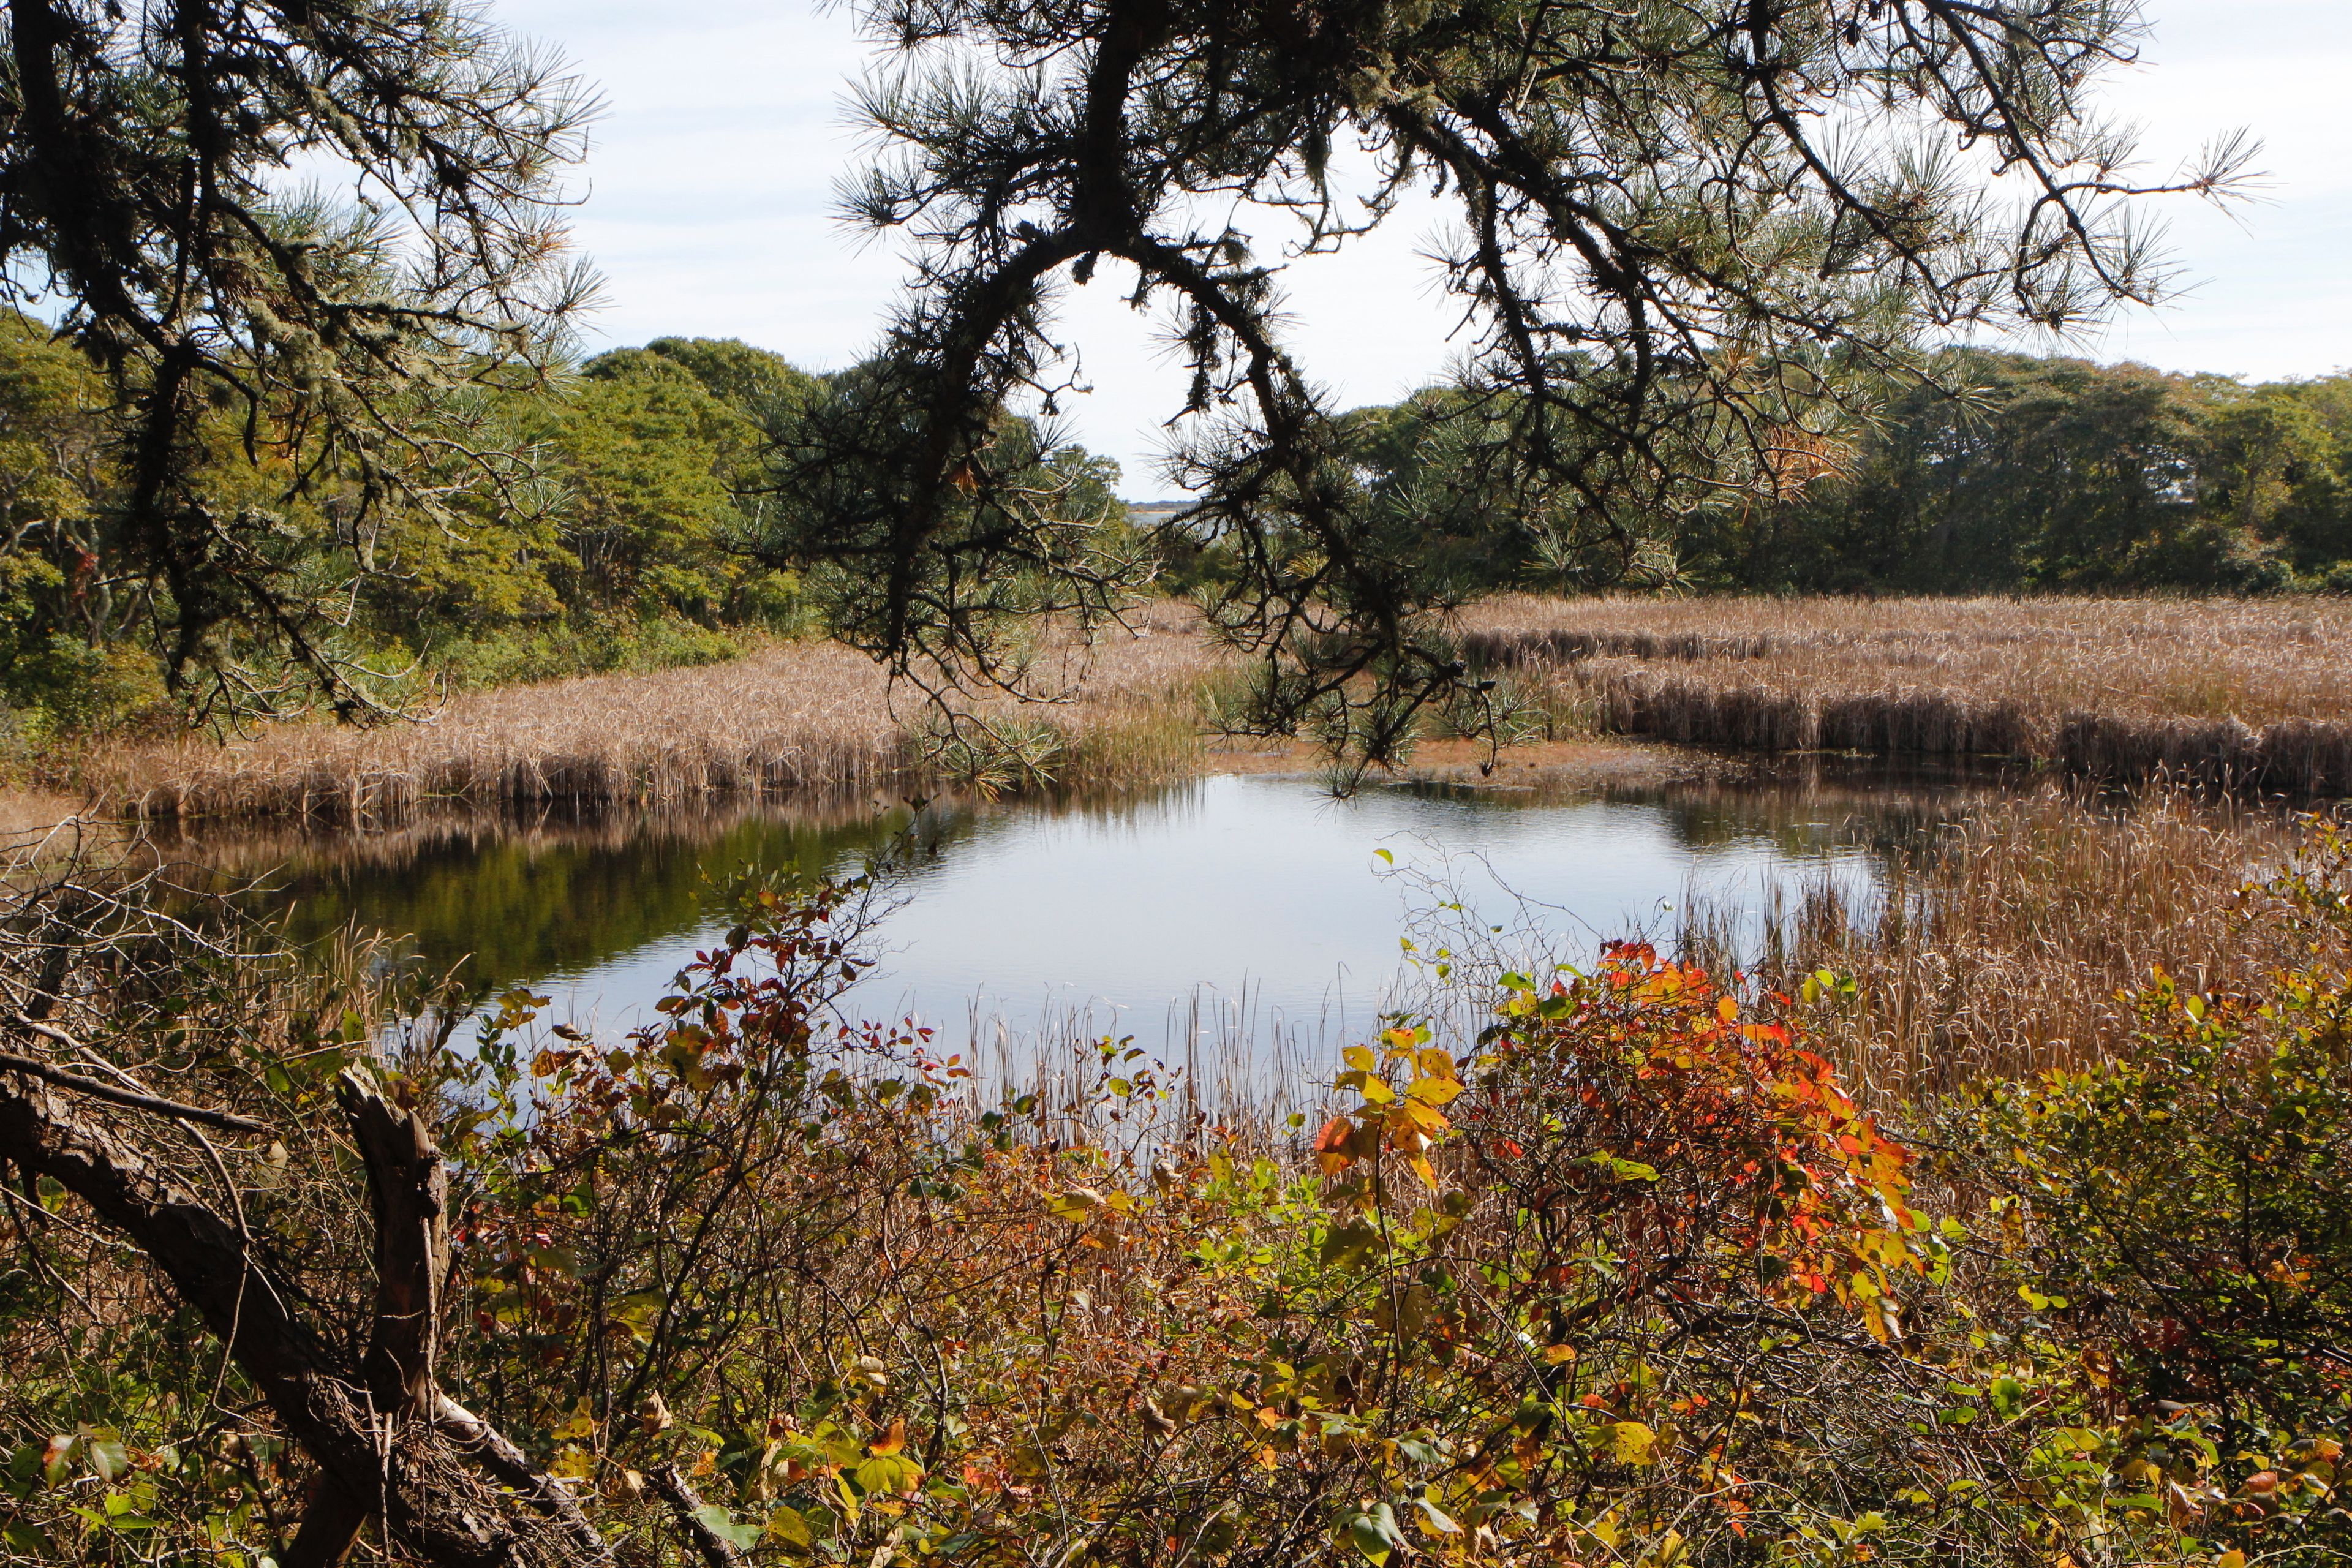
x=1250, y=907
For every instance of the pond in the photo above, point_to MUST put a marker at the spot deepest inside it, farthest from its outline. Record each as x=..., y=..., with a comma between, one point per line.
x=1254, y=908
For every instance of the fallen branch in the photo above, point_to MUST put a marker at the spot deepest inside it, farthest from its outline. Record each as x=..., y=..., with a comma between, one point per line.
x=717, y=1551
x=448, y=1497
x=124, y=1096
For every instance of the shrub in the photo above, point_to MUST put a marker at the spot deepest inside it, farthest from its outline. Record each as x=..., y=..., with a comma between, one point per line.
x=1634, y=1282
x=2181, y=1219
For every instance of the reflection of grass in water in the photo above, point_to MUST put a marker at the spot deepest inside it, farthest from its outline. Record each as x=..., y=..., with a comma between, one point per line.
x=522, y=897
x=2046, y=902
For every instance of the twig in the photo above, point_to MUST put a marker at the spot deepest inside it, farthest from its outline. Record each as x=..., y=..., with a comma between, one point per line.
x=107, y=1091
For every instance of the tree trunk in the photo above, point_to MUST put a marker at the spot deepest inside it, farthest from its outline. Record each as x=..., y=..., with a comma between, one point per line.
x=445, y=1487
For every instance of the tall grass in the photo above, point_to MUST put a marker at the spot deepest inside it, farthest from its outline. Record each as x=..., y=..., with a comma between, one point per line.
x=2220, y=692
x=807, y=716
x=2233, y=692
x=2001, y=943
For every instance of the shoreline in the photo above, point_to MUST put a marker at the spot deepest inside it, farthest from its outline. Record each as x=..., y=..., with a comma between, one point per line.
x=2233, y=696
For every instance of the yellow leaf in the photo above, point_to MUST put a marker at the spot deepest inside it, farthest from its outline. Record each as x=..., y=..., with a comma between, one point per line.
x=1634, y=1444
x=2230, y=1560
x=1417, y=1113
x=1358, y=1057
x=891, y=1441
x=1434, y=1091
x=1560, y=1355
x=787, y=1525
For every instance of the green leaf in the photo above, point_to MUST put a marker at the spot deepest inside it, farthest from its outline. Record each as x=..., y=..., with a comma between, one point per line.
x=1376, y=1534
x=722, y=1524
x=892, y=1475
x=108, y=1457
x=1439, y=1519
x=1348, y=1245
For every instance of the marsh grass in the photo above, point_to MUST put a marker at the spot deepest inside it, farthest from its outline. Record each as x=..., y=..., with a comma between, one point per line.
x=803, y=717
x=2230, y=693
x=2004, y=943
x=2222, y=692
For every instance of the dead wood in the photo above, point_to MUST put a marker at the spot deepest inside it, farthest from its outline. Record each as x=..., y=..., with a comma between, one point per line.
x=446, y=1488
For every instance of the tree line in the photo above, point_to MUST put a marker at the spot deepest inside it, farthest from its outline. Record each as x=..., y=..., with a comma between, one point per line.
x=652, y=527
x=633, y=529
x=2005, y=473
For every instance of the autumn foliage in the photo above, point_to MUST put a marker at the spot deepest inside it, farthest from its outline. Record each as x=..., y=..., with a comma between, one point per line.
x=1628, y=1280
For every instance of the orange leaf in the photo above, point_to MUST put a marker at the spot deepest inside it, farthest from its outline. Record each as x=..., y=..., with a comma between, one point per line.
x=1331, y=1146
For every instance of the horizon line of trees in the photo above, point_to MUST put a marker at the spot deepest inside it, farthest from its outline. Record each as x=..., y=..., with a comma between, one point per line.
x=2047, y=475
x=640, y=536
x=661, y=475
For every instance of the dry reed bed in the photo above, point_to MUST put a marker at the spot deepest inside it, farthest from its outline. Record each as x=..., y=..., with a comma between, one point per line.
x=2006, y=943
x=2252, y=693
x=796, y=718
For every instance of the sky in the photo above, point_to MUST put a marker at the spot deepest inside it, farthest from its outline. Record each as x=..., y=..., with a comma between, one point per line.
x=707, y=203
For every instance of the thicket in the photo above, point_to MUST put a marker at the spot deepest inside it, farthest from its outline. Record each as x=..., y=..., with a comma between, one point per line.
x=1628, y=1280
x=639, y=540
x=2005, y=473
x=2060, y=475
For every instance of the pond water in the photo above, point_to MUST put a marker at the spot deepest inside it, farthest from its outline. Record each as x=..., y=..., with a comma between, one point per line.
x=1250, y=907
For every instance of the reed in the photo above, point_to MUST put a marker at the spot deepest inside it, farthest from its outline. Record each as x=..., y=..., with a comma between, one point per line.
x=2222, y=692
x=798, y=718
x=2003, y=943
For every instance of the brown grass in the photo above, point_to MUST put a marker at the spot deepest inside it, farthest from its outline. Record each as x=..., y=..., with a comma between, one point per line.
x=2219, y=692
x=801, y=717
x=2006, y=942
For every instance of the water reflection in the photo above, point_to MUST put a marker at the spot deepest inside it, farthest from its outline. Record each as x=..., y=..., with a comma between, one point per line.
x=1252, y=908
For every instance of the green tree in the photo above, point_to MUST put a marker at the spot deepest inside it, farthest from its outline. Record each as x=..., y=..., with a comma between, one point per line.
x=2057, y=474
x=763, y=386
x=653, y=459
x=2272, y=468
x=160, y=172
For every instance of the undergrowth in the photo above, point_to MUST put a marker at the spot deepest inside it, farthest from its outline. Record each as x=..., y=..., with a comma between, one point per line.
x=1630, y=1280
